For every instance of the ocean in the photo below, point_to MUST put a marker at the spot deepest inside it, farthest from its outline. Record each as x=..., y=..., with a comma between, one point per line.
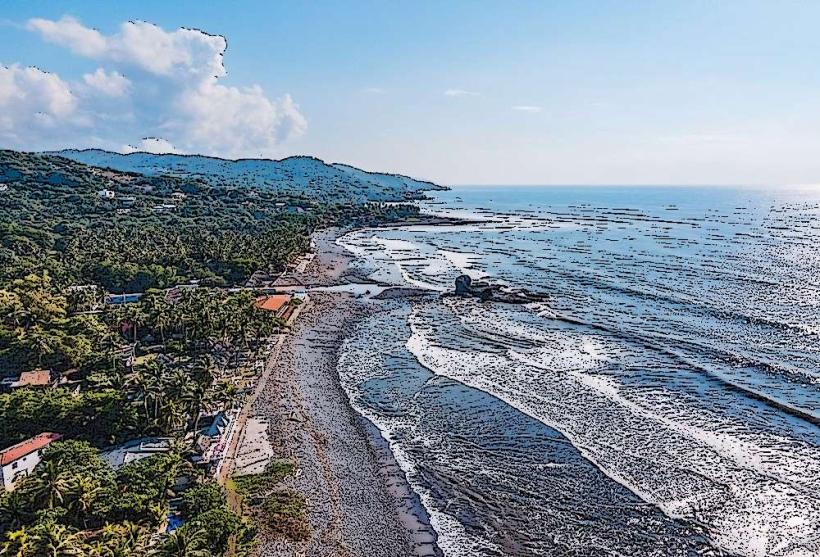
x=663, y=400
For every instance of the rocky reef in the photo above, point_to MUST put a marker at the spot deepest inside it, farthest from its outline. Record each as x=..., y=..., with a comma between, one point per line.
x=466, y=287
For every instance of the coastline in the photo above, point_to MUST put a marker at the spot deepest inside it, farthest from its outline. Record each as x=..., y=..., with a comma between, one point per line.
x=358, y=499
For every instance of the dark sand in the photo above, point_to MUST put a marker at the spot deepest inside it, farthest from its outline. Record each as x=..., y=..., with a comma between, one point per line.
x=359, y=502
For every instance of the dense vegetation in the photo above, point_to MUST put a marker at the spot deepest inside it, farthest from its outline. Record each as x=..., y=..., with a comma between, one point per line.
x=298, y=176
x=76, y=504
x=52, y=219
x=147, y=368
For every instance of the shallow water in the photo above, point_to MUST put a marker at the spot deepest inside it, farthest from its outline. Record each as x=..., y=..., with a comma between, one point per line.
x=673, y=374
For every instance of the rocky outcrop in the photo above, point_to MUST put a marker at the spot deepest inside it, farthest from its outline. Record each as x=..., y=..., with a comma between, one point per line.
x=466, y=287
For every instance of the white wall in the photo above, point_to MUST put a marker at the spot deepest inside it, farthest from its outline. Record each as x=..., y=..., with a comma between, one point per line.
x=19, y=468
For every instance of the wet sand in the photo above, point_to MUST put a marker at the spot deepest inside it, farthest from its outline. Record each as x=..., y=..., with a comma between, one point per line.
x=358, y=499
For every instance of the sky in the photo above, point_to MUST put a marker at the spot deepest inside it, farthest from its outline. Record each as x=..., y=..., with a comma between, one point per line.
x=478, y=92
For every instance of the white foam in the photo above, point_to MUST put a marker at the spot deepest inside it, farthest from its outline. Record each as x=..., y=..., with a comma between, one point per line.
x=771, y=480
x=356, y=366
x=464, y=262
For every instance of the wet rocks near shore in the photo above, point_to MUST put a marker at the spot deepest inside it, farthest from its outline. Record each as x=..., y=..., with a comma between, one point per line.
x=466, y=287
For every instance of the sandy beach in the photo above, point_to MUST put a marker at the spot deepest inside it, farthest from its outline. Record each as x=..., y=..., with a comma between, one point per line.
x=358, y=500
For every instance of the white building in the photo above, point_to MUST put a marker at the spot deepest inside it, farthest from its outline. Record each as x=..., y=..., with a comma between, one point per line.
x=137, y=449
x=19, y=460
x=106, y=194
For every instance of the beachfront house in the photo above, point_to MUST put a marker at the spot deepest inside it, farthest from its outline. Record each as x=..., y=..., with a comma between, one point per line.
x=213, y=439
x=118, y=455
x=19, y=460
x=276, y=303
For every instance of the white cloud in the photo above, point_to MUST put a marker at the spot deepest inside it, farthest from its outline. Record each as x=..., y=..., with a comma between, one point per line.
x=172, y=94
x=33, y=101
x=112, y=84
x=460, y=93
x=527, y=108
x=235, y=121
x=69, y=32
x=180, y=53
x=151, y=145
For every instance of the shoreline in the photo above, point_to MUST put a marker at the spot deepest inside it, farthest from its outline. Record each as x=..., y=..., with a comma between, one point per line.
x=358, y=499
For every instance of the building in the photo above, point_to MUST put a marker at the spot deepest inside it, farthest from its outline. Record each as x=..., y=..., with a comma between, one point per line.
x=127, y=200
x=164, y=207
x=3, y=188
x=276, y=303
x=137, y=449
x=38, y=378
x=178, y=196
x=19, y=460
x=106, y=194
x=119, y=299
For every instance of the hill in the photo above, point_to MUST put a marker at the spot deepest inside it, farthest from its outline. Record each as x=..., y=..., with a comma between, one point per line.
x=127, y=231
x=295, y=176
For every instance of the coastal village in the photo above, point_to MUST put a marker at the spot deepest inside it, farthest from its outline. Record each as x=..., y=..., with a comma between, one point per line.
x=215, y=436
x=142, y=336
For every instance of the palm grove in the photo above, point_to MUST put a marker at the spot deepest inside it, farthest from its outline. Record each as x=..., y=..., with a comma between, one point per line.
x=62, y=249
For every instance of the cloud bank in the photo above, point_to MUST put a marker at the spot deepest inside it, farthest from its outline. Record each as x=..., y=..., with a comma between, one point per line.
x=460, y=93
x=154, y=89
x=527, y=108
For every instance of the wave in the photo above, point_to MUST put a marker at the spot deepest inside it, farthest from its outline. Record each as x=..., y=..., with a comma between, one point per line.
x=658, y=344
x=728, y=463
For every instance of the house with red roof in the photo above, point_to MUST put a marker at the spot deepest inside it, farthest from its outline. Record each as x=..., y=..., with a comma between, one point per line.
x=278, y=304
x=19, y=460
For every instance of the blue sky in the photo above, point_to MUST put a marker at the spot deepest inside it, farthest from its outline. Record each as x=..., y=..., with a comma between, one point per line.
x=459, y=92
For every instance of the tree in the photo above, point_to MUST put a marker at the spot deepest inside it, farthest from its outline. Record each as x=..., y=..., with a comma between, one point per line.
x=202, y=498
x=14, y=510
x=46, y=539
x=48, y=485
x=184, y=542
x=38, y=303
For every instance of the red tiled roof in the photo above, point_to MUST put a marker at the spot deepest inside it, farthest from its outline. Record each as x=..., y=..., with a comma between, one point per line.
x=36, y=378
x=18, y=451
x=273, y=303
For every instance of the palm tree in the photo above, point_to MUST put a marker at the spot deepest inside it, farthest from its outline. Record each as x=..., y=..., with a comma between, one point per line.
x=49, y=485
x=84, y=492
x=14, y=509
x=41, y=342
x=60, y=541
x=136, y=315
x=47, y=539
x=184, y=542
x=125, y=539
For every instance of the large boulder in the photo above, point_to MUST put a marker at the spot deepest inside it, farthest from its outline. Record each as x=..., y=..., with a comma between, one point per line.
x=463, y=283
x=467, y=288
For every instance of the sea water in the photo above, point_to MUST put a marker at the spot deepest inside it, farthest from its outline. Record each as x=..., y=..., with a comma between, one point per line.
x=663, y=400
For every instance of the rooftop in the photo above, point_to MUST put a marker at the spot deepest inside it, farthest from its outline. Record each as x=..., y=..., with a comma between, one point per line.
x=273, y=303
x=137, y=449
x=18, y=451
x=36, y=378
